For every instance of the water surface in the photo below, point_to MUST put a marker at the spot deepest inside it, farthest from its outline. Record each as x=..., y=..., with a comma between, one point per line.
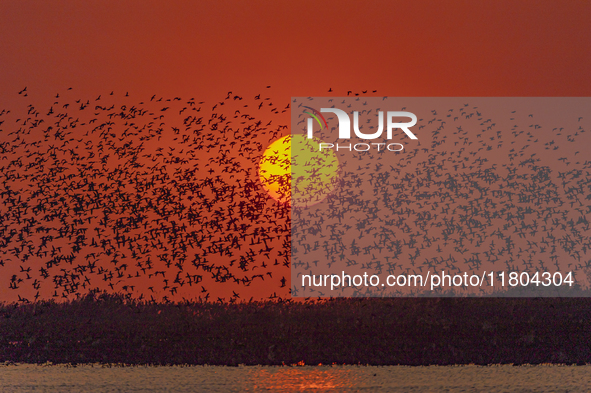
x=92, y=378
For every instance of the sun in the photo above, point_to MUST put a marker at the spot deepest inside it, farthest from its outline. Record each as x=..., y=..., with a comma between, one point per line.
x=275, y=169
x=294, y=170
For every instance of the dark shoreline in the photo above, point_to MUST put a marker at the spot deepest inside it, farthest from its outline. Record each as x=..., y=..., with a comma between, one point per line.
x=110, y=329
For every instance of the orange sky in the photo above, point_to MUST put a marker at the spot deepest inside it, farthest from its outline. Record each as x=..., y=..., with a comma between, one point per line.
x=205, y=49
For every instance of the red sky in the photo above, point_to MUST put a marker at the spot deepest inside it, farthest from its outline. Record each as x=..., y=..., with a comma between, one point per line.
x=205, y=49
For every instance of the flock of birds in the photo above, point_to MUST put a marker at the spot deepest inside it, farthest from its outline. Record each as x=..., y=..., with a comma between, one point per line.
x=160, y=199
x=474, y=193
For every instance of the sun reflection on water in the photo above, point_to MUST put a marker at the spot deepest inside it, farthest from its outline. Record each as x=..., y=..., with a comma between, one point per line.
x=318, y=378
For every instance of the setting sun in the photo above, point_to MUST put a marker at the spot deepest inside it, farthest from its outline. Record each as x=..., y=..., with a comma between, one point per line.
x=309, y=180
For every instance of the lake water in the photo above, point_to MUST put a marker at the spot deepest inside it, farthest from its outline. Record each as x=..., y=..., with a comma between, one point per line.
x=98, y=378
